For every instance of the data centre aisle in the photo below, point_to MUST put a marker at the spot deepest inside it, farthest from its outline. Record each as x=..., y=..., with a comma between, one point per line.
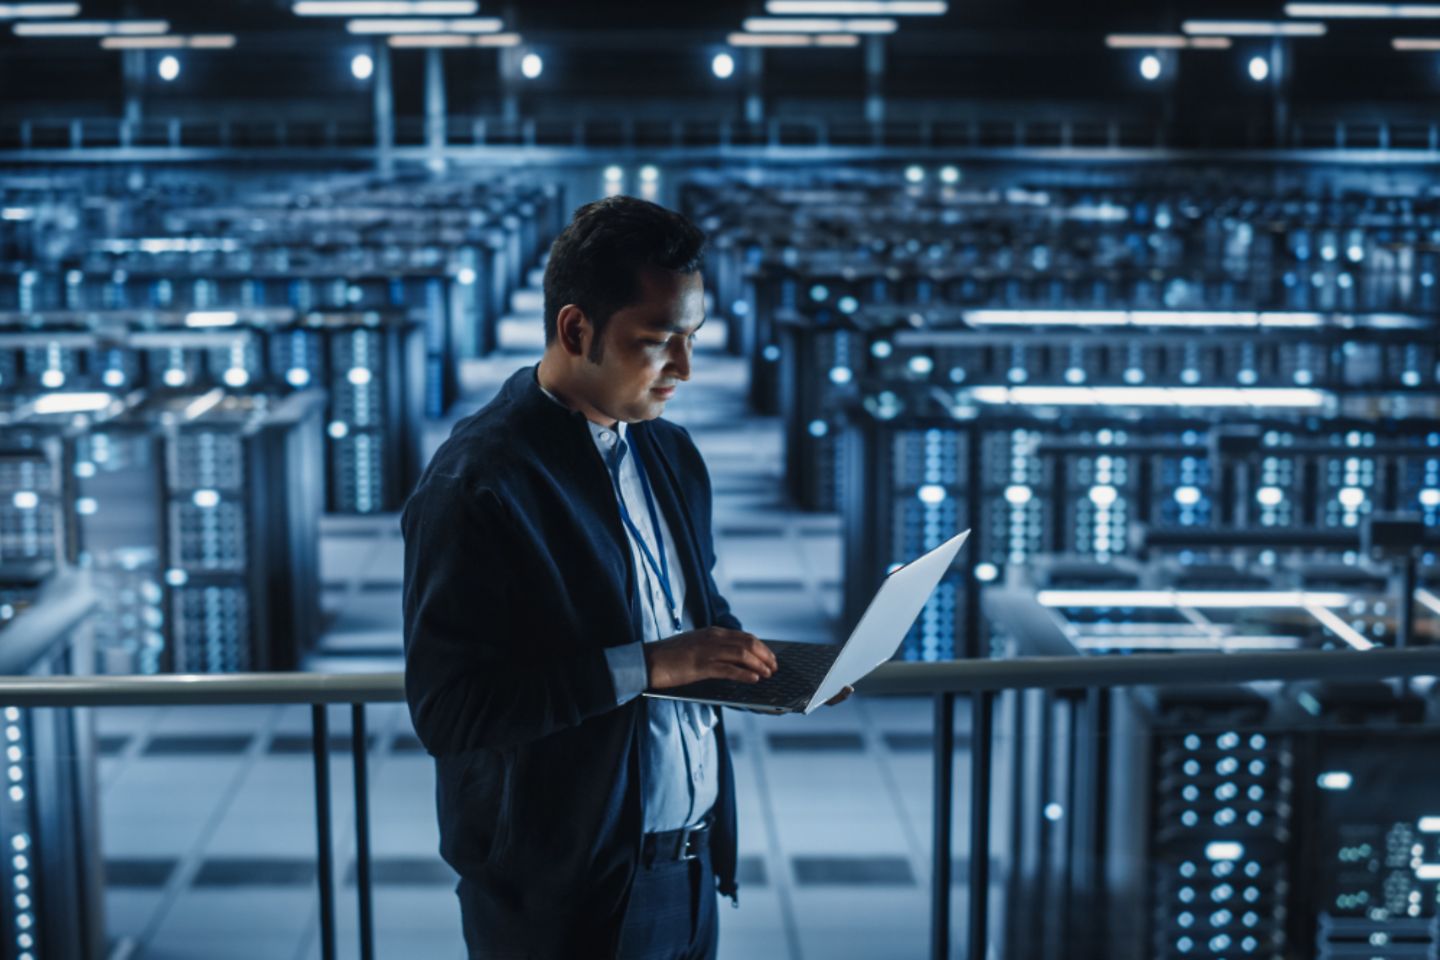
x=207, y=813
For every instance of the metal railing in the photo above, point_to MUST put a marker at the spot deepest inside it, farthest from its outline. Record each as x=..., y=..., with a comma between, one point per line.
x=980, y=680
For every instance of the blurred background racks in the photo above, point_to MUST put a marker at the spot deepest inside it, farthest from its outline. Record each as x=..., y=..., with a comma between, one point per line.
x=1147, y=298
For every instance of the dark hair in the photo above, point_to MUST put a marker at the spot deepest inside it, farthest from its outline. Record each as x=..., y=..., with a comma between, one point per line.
x=596, y=261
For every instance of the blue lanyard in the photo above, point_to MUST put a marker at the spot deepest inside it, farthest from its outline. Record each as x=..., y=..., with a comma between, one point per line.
x=662, y=567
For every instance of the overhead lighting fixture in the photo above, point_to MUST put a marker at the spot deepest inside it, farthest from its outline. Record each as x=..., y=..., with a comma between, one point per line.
x=1365, y=11
x=1252, y=28
x=210, y=41
x=1139, y=318
x=1237, y=397
x=21, y=11
x=452, y=40
x=1197, y=599
x=1150, y=67
x=1164, y=41
x=474, y=25
x=818, y=25
x=200, y=319
x=531, y=65
x=362, y=66
x=859, y=8
x=93, y=28
x=169, y=68
x=385, y=8
x=793, y=40
x=723, y=66
x=1259, y=69
x=82, y=402
x=1416, y=44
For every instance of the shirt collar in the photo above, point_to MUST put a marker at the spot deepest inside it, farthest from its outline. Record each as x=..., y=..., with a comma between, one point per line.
x=597, y=431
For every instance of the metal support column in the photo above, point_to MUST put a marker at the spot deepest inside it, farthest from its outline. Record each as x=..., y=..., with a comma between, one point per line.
x=384, y=109
x=875, y=79
x=132, y=66
x=435, y=118
x=754, y=85
x=1280, y=80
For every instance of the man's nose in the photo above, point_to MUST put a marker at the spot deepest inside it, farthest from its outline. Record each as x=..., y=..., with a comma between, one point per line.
x=680, y=361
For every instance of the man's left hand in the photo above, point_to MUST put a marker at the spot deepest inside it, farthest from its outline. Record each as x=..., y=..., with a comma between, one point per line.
x=840, y=697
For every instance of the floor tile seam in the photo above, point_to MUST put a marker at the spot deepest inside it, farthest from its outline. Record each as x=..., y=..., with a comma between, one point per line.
x=188, y=865
x=877, y=748
x=778, y=864
x=132, y=751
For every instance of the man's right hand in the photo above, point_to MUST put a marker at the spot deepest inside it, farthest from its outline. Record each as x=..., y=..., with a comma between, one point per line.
x=713, y=653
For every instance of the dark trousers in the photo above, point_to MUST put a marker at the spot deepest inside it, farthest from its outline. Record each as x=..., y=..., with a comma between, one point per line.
x=672, y=912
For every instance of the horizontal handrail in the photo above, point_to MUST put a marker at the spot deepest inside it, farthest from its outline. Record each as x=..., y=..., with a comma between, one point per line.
x=891, y=679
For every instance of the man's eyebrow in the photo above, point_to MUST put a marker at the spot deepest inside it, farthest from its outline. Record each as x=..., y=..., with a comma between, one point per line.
x=674, y=327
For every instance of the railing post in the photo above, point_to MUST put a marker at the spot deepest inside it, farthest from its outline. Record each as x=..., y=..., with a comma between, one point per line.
x=943, y=814
x=363, y=895
x=981, y=732
x=325, y=868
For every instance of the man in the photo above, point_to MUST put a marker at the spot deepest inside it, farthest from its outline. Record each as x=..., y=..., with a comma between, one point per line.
x=558, y=558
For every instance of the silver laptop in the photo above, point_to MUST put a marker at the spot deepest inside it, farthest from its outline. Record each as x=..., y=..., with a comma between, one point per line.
x=811, y=673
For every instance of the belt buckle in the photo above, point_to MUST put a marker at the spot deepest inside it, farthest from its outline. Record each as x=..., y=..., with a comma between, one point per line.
x=688, y=848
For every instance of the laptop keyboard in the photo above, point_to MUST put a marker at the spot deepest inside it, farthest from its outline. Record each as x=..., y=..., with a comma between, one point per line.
x=802, y=667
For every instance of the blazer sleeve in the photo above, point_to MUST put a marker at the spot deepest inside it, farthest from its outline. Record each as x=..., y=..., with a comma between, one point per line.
x=470, y=679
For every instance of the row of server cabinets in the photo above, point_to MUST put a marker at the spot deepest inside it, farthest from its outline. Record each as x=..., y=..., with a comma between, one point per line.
x=181, y=403
x=1174, y=419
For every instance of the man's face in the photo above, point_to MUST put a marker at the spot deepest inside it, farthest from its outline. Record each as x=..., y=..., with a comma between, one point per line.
x=645, y=348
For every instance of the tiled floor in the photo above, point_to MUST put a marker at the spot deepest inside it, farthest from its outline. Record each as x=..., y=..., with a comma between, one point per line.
x=208, y=816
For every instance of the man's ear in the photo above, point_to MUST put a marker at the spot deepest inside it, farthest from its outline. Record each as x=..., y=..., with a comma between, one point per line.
x=572, y=328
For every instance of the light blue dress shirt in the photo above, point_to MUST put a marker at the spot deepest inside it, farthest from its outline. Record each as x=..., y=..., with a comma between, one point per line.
x=680, y=755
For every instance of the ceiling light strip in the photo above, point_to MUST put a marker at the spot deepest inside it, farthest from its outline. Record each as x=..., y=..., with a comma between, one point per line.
x=1365, y=11
x=793, y=40
x=431, y=26
x=818, y=25
x=203, y=41
x=1164, y=41
x=20, y=11
x=1252, y=28
x=858, y=8
x=93, y=28
x=413, y=41
x=385, y=8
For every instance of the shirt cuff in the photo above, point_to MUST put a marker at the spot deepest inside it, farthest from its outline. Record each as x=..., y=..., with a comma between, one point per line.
x=628, y=670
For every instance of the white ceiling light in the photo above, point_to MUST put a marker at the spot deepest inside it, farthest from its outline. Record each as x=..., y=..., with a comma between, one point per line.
x=451, y=40
x=382, y=26
x=209, y=41
x=818, y=25
x=362, y=66
x=385, y=8
x=532, y=66
x=1259, y=69
x=1252, y=28
x=17, y=11
x=1150, y=67
x=1416, y=44
x=93, y=28
x=1164, y=41
x=1365, y=11
x=793, y=40
x=723, y=66
x=169, y=68
x=858, y=8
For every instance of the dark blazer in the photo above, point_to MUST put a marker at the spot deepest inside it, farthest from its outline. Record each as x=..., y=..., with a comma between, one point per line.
x=517, y=577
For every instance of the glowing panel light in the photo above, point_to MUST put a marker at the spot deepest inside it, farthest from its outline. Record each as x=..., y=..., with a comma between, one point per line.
x=1238, y=397
x=1150, y=67
x=1252, y=28
x=204, y=41
x=1335, y=780
x=25, y=500
x=1224, y=850
x=19, y=11
x=1164, y=41
x=723, y=66
x=1429, y=825
x=211, y=318
x=362, y=66
x=531, y=66
x=932, y=494
x=385, y=8
x=382, y=26
x=1428, y=871
x=1364, y=11
x=818, y=25
x=78, y=402
x=858, y=8
x=1416, y=44
x=793, y=40
x=1199, y=599
x=206, y=499
x=428, y=40
x=168, y=69
x=93, y=28
x=1258, y=69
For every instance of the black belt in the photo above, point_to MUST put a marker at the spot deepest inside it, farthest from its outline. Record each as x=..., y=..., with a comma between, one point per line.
x=669, y=846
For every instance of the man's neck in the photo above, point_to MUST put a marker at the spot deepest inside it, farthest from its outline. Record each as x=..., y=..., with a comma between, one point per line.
x=553, y=381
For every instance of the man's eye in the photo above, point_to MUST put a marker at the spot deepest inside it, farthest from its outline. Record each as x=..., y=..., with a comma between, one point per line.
x=653, y=343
